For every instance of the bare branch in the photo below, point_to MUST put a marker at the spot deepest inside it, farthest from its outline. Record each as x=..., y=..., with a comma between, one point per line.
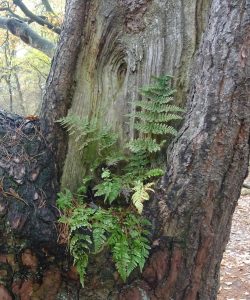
x=47, y=6
x=246, y=186
x=10, y=13
x=36, y=18
x=27, y=35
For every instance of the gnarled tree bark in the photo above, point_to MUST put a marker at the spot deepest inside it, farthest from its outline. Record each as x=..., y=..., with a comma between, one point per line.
x=121, y=44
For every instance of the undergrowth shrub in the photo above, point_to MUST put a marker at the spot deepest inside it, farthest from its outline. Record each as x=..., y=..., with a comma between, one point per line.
x=112, y=217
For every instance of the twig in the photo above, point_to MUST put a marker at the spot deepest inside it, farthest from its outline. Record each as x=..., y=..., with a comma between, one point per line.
x=246, y=186
x=36, y=18
x=15, y=195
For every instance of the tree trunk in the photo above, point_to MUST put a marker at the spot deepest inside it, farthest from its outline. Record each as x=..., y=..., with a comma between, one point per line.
x=115, y=46
x=124, y=44
x=20, y=94
x=8, y=63
x=8, y=82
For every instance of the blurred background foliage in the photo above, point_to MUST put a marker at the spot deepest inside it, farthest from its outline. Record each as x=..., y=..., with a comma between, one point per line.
x=23, y=69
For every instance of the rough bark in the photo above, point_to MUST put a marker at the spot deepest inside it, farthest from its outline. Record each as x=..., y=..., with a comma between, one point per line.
x=193, y=207
x=208, y=162
x=61, y=80
x=27, y=203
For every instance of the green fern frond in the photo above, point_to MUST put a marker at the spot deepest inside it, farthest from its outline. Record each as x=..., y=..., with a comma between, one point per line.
x=158, y=108
x=79, y=247
x=153, y=106
x=114, y=158
x=155, y=128
x=81, y=264
x=156, y=117
x=139, y=254
x=99, y=239
x=153, y=173
x=107, y=139
x=82, y=190
x=74, y=124
x=64, y=200
x=110, y=188
x=87, y=132
x=137, y=163
x=80, y=218
x=130, y=245
x=121, y=257
x=157, y=93
x=146, y=145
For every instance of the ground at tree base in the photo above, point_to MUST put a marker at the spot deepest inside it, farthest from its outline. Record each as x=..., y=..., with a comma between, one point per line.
x=235, y=268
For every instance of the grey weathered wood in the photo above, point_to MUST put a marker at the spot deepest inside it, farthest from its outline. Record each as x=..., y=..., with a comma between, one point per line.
x=124, y=44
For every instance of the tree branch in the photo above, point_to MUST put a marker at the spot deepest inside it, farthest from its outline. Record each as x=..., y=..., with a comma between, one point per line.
x=10, y=13
x=36, y=18
x=27, y=35
x=246, y=186
x=47, y=6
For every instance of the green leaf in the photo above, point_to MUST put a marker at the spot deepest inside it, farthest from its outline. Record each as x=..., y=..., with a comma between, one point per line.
x=106, y=173
x=64, y=200
x=110, y=188
x=146, y=145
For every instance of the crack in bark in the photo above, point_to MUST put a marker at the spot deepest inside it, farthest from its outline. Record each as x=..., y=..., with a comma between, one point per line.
x=163, y=291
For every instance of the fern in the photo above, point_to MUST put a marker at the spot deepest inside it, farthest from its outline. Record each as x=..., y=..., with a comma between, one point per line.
x=82, y=190
x=91, y=231
x=156, y=172
x=79, y=247
x=103, y=222
x=137, y=163
x=64, y=200
x=145, y=145
x=110, y=188
x=115, y=158
x=79, y=127
x=154, y=115
x=130, y=245
x=123, y=230
x=81, y=263
x=121, y=254
x=157, y=129
x=141, y=194
x=94, y=142
x=159, y=108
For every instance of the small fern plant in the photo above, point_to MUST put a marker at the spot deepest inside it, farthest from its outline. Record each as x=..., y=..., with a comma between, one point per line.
x=153, y=114
x=90, y=230
x=94, y=143
x=108, y=221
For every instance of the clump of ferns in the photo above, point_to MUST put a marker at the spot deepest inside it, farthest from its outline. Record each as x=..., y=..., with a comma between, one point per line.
x=104, y=220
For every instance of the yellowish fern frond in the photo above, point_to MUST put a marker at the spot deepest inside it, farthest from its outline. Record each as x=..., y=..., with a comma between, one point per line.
x=141, y=194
